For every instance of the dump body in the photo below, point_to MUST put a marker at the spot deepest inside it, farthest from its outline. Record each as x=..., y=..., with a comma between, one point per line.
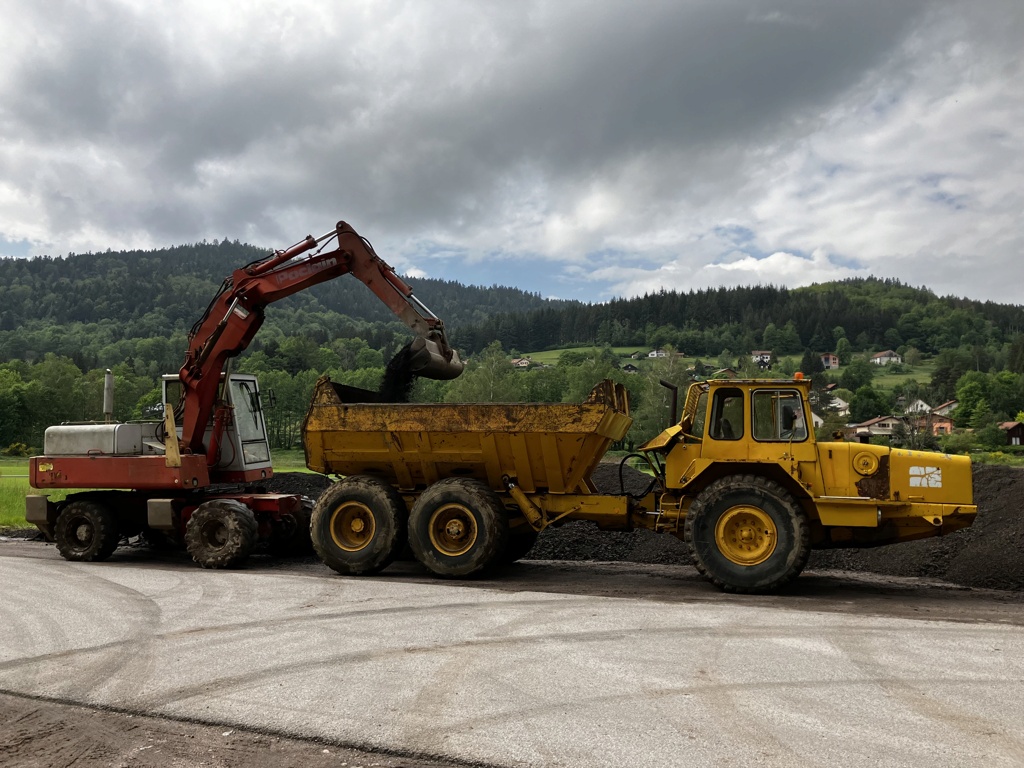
x=546, y=447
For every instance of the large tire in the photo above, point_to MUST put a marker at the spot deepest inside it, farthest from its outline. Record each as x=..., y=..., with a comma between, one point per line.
x=747, y=534
x=221, y=533
x=458, y=528
x=86, y=531
x=359, y=526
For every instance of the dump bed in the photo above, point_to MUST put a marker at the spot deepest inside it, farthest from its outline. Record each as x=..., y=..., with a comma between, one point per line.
x=550, y=447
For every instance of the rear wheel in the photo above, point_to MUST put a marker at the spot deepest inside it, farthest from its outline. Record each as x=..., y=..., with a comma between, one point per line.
x=458, y=528
x=221, y=533
x=86, y=531
x=359, y=526
x=747, y=534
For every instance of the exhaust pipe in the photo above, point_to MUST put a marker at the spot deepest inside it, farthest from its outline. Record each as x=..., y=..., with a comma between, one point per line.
x=108, y=397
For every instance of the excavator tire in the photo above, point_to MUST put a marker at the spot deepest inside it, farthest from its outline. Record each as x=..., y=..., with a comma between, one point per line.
x=458, y=528
x=86, y=531
x=359, y=526
x=221, y=533
x=747, y=535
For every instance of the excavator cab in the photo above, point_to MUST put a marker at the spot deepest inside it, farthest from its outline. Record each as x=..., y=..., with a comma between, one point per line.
x=242, y=445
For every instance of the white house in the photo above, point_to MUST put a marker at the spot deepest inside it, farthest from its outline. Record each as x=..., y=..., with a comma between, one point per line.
x=762, y=358
x=886, y=357
x=657, y=353
x=918, y=407
x=880, y=425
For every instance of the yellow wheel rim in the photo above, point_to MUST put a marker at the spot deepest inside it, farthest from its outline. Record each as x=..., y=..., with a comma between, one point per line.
x=746, y=535
x=352, y=526
x=453, y=530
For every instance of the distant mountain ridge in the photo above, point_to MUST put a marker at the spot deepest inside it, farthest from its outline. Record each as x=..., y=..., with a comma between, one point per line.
x=101, y=299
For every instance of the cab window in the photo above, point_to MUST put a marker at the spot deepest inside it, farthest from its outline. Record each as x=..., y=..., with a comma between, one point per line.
x=778, y=415
x=727, y=414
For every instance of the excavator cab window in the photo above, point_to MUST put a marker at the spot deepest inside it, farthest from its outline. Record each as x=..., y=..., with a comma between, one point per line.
x=245, y=399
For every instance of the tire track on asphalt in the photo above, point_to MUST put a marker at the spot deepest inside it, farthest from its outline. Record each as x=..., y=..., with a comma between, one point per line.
x=911, y=695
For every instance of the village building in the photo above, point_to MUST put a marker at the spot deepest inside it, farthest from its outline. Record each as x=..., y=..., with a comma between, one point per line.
x=762, y=358
x=938, y=424
x=946, y=409
x=917, y=407
x=829, y=361
x=1014, y=432
x=886, y=357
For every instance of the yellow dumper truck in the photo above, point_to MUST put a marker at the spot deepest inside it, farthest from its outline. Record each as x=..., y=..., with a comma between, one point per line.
x=740, y=477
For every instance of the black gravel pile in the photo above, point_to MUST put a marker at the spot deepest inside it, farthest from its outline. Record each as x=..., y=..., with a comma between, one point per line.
x=988, y=554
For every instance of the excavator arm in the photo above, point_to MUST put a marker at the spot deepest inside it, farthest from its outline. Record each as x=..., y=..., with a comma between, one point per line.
x=236, y=314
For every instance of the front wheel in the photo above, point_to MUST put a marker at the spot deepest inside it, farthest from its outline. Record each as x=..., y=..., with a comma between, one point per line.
x=359, y=526
x=747, y=534
x=458, y=528
x=86, y=531
x=221, y=533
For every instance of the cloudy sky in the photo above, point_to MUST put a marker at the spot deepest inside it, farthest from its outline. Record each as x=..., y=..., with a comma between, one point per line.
x=576, y=149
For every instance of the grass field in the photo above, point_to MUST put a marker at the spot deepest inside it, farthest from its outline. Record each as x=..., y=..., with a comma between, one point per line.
x=14, y=485
x=550, y=356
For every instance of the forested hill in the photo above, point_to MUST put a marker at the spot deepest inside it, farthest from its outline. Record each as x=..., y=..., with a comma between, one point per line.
x=103, y=307
x=179, y=282
x=82, y=304
x=872, y=313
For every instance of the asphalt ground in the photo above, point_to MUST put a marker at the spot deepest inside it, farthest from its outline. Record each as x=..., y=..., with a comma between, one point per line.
x=551, y=664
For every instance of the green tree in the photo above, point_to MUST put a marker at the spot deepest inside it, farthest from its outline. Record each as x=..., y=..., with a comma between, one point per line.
x=867, y=404
x=844, y=351
x=858, y=373
x=489, y=378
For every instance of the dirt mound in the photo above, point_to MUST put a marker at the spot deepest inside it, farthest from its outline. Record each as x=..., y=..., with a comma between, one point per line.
x=988, y=554
x=306, y=483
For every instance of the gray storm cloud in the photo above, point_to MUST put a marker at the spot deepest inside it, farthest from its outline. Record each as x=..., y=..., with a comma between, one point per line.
x=624, y=143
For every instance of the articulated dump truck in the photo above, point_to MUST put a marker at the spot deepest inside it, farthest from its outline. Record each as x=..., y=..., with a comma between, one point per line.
x=740, y=477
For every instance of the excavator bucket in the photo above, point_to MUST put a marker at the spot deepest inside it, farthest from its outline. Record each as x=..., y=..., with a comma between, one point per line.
x=429, y=360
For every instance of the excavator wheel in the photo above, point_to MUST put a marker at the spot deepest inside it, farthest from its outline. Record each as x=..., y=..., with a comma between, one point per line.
x=747, y=534
x=86, y=531
x=359, y=526
x=221, y=533
x=458, y=528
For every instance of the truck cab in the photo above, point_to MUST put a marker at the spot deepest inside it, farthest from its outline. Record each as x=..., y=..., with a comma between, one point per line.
x=760, y=426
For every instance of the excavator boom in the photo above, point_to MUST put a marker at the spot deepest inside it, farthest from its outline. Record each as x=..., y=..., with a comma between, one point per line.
x=236, y=314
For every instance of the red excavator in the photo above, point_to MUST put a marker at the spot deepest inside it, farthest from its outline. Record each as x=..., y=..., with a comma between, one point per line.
x=172, y=477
